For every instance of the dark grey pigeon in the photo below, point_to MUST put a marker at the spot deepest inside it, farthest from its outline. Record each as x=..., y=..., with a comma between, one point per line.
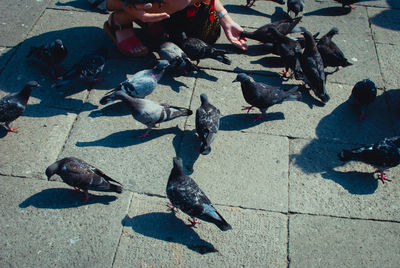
x=363, y=93
x=197, y=49
x=13, y=105
x=250, y=3
x=290, y=51
x=186, y=195
x=207, y=124
x=295, y=6
x=263, y=34
x=180, y=63
x=313, y=68
x=347, y=3
x=383, y=155
x=330, y=52
x=88, y=68
x=263, y=96
x=83, y=176
x=50, y=55
x=135, y=2
x=149, y=112
x=140, y=84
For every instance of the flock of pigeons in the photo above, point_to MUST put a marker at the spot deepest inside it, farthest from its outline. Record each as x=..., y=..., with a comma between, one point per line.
x=304, y=58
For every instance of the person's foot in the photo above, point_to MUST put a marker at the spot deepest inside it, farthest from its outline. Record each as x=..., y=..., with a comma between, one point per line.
x=127, y=41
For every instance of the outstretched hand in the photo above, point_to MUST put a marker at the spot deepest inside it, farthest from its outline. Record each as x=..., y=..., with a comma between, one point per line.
x=232, y=31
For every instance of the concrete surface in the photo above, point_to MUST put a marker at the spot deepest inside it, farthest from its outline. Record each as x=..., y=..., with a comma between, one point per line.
x=277, y=181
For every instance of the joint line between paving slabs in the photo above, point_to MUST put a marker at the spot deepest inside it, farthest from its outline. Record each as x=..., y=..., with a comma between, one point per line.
x=288, y=206
x=122, y=229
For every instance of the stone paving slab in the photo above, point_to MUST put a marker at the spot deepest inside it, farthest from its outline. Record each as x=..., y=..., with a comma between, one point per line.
x=333, y=242
x=389, y=58
x=41, y=135
x=44, y=224
x=253, y=166
x=385, y=24
x=321, y=184
x=306, y=119
x=17, y=19
x=5, y=55
x=154, y=237
x=109, y=138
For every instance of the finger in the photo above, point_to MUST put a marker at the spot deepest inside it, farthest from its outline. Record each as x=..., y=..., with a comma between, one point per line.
x=154, y=17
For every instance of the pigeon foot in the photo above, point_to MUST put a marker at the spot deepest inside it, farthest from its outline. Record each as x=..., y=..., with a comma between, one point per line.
x=11, y=129
x=382, y=176
x=171, y=207
x=76, y=190
x=144, y=135
x=193, y=221
x=248, y=108
x=85, y=198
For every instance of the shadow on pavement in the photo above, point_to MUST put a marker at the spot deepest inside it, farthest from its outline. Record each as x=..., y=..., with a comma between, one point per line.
x=189, y=151
x=127, y=138
x=237, y=122
x=59, y=198
x=165, y=226
x=329, y=11
x=344, y=126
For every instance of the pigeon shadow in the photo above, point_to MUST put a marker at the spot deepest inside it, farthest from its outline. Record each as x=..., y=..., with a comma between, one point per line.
x=202, y=74
x=116, y=109
x=256, y=72
x=60, y=198
x=355, y=182
x=269, y=62
x=174, y=84
x=167, y=227
x=387, y=18
x=239, y=9
x=329, y=11
x=79, y=4
x=309, y=99
x=37, y=110
x=237, y=122
x=189, y=150
x=129, y=137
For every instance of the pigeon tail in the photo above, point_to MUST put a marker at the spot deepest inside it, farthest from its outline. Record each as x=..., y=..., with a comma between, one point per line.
x=116, y=188
x=179, y=111
x=221, y=223
x=205, y=149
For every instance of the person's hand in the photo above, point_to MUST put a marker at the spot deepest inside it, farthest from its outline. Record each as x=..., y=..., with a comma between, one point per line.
x=232, y=31
x=139, y=11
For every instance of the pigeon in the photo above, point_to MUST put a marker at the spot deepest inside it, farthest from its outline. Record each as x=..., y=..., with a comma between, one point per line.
x=178, y=60
x=50, y=55
x=250, y=3
x=290, y=52
x=135, y=2
x=13, y=105
x=295, y=6
x=313, y=68
x=83, y=176
x=330, y=52
x=186, y=195
x=140, y=84
x=263, y=96
x=197, y=49
x=363, y=93
x=88, y=68
x=383, y=155
x=347, y=3
x=263, y=34
x=149, y=112
x=207, y=123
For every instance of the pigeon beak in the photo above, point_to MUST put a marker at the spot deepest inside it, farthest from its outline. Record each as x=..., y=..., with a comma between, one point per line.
x=235, y=80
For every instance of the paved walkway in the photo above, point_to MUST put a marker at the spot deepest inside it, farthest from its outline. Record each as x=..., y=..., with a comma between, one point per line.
x=277, y=182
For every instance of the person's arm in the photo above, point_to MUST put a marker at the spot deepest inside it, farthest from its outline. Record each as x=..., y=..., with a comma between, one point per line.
x=231, y=28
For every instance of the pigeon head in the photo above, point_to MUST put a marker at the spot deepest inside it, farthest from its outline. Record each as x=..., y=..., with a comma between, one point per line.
x=333, y=31
x=52, y=169
x=162, y=65
x=58, y=44
x=32, y=84
x=203, y=98
x=241, y=78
